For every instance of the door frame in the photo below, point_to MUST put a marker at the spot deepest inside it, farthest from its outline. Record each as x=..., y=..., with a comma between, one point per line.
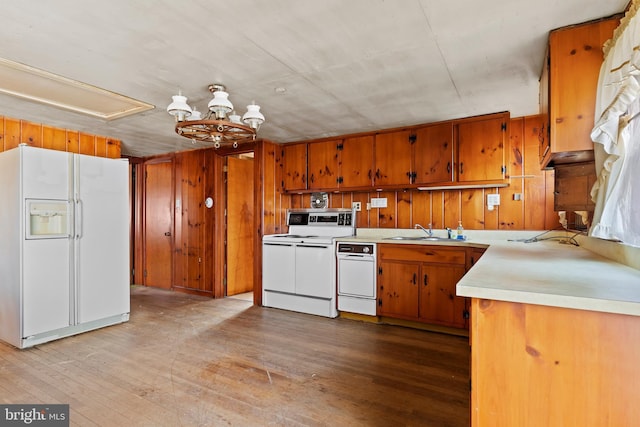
x=258, y=213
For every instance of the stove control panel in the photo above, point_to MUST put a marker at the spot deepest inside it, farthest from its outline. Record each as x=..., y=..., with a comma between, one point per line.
x=325, y=217
x=345, y=218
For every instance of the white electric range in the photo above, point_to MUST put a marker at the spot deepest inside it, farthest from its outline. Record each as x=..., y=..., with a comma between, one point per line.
x=299, y=267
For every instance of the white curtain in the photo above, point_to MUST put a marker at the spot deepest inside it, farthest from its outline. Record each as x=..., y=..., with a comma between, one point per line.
x=617, y=136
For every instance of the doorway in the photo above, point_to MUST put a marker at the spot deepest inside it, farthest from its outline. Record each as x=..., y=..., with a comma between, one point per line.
x=158, y=224
x=240, y=223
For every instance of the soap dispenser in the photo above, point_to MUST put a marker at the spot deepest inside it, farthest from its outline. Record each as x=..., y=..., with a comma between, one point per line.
x=460, y=235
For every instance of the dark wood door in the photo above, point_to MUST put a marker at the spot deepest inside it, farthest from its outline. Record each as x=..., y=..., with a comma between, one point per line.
x=393, y=158
x=438, y=301
x=158, y=224
x=295, y=167
x=323, y=164
x=398, y=289
x=240, y=233
x=481, y=149
x=356, y=162
x=433, y=154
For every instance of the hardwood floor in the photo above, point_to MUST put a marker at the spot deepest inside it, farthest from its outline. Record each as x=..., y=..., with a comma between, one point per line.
x=184, y=360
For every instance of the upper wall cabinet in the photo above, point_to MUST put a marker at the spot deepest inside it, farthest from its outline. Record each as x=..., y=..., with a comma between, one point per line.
x=418, y=156
x=356, y=162
x=323, y=164
x=341, y=163
x=294, y=158
x=481, y=146
x=433, y=154
x=393, y=158
x=568, y=90
x=467, y=151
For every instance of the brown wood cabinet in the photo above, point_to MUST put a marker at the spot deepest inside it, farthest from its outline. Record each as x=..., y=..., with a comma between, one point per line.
x=438, y=301
x=419, y=156
x=481, y=148
x=403, y=158
x=433, y=154
x=356, y=162
x=393, y=158
x=294, y=160
x=573, y=183
x=568, y=90
x=341, y=163
x=398, y=289
x=417, y=282
x=323, y=164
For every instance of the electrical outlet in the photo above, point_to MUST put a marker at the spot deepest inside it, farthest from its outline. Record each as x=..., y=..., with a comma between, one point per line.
x=357, y=206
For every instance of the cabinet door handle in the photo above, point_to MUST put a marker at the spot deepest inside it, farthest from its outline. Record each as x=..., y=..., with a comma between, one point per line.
x=448, y=167
x=415, y=278
x=168, y=233
x=426, y=281
x=461, y=168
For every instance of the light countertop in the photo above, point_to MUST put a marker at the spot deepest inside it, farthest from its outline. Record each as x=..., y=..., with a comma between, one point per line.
x=543, y=272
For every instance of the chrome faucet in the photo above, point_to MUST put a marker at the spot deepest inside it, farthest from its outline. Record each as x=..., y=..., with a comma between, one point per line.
x=429, y=231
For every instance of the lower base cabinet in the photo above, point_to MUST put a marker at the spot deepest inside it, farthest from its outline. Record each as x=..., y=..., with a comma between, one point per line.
x=418, y=283
x=535, y=365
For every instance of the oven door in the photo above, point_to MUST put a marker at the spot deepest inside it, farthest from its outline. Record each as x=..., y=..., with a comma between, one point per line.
x=315, y=270
x=278, y=266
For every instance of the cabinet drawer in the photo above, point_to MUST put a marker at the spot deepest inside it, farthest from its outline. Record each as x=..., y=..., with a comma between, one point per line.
x=422, y=253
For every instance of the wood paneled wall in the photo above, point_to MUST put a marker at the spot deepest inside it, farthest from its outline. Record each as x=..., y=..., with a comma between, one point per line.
x=15, y=131
x=199, y=233
x=525, y=204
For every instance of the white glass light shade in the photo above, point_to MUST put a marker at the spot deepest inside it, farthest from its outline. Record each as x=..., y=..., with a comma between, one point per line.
x=253, y=117
x=195, y=115
x=220, y=104
x=235, y=118
x=179, y=107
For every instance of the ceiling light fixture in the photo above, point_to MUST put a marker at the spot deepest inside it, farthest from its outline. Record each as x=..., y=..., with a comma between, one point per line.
x=220, y=125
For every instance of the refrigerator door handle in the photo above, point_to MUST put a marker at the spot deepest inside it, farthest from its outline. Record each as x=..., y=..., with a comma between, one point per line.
x=71, y=221
x=78, y=219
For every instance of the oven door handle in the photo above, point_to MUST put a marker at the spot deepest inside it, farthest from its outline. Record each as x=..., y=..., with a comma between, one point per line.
x=314, y=246
x=277, y=244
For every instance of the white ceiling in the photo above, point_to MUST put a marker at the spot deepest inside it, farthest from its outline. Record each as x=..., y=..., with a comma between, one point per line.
x=347, y=65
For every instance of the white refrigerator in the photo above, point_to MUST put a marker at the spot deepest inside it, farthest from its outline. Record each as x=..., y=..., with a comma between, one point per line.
x=64, y=244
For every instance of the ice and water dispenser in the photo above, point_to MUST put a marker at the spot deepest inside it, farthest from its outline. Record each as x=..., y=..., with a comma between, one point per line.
x=48, y=219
